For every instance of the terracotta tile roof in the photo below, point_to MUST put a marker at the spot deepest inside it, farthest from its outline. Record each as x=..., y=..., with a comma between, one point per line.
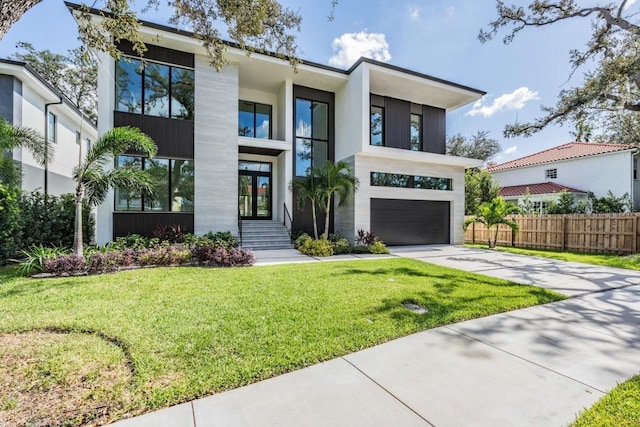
x=542, y=188
x=572, y=150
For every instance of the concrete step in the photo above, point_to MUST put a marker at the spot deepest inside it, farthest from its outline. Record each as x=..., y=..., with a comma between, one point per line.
x=267, y=247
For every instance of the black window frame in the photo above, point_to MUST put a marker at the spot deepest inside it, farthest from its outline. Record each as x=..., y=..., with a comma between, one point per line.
x=398, y=180
x=311, y=138
x=169, y=186
x=143, y=63
x=254, y=118
x=382, y=135
x=420, y=132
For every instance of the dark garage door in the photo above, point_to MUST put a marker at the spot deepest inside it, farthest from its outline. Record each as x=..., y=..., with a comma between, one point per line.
x=410, y=222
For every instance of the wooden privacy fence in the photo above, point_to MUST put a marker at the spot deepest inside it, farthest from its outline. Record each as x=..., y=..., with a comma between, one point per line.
x=604, y=233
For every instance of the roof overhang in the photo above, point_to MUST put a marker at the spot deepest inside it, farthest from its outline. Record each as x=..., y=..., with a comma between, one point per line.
x=419, y=156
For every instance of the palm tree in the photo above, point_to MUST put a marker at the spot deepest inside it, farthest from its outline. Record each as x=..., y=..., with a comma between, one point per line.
x=335, y=179
x=492, y=214
x=12, y=137
x=308, y=189
x=93, y=182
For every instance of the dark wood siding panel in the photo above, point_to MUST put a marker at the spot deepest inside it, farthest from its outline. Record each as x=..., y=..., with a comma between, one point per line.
x=158, y=53
x=173, y=137
x=397, y=123
x=145, y=223
x=303, y=219
x=410, y=222
x=434, y=130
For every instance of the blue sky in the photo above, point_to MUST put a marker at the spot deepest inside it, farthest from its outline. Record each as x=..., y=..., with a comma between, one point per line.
x=435, y=37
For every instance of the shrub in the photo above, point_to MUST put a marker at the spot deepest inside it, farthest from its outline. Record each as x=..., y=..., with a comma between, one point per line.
x=64, y=264
x=49, y=221
x=33, y=259
x=366, y=238
x=301, y=240
x=341, y=246
x=10, y=229
x=173, y=233
x=320, y=247
x=360, y=249
x=133, y=241
x=378, y=248
x=207, y=254
x=222, y=238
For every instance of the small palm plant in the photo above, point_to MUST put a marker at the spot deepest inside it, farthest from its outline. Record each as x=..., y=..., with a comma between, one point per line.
x=93, y=182
x=492, y=214
x=308, y=190
x=336, y=180
x=14, y=137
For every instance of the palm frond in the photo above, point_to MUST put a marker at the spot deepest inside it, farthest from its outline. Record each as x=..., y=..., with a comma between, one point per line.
x=10, y=173
x=117, y=142
x=30, y=139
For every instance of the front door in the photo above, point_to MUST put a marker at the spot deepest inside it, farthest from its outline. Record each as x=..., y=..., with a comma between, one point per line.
x=254, y=190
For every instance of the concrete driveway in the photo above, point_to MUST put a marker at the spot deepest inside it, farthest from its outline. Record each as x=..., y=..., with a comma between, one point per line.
x=538, y=366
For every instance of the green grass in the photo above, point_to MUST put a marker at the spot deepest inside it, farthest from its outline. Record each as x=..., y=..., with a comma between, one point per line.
x=619, y=408
x=631, y=262
x=189, y=332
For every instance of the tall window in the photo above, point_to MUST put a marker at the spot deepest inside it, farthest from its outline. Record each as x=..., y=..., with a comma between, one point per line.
x=172, y=183
x=51, y=128
x=312, y=135
x=377, y=125
x=154, y=89
x=416, y=132
x=254, y=120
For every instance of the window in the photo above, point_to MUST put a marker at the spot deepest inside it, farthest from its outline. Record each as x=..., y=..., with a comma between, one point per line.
x=154, y=89
x=51, y=128
x=380, y=179
x=540, y=207
x=172, y=182
x=312, y=135
x=254, y=120
x=78, y=137
x=377, y=126
x=416, y=132
x=551, y=173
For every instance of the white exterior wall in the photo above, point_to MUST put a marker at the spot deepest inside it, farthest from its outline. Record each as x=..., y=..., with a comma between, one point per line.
x=598, y=174
x=215, y=148
x=352, y=114
x=106, y=105
x=362, y=203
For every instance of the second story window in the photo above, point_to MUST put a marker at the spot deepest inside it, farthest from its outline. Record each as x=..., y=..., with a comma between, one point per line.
x=551, y=173
x=377, y=125
x=154, y=89
x=312, y=135
x=416, y=132
x=254, y=120
x=51, y=128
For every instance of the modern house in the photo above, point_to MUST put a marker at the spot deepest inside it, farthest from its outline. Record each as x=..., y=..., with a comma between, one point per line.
x=576, y=167
x=28, y=100
x=230, y=142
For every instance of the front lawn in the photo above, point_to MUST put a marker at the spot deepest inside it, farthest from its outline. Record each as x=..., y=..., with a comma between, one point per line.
x=631, y=262
x=619, y=408
x=98, y=348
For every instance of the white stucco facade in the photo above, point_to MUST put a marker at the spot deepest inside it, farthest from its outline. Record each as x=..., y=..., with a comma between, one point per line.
x=267, y=80
x=23, y=103
x=615, y=172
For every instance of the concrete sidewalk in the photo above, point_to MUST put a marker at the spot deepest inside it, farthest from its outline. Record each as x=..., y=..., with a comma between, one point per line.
x=533, y=367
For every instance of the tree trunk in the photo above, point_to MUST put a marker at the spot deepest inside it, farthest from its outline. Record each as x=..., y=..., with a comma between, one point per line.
x=326, y=219
x=495, y=238
x=77, y=228
x=315, y=222
x=11, y=11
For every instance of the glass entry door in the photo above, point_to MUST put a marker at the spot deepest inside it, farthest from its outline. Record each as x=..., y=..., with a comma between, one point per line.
x=254, y=190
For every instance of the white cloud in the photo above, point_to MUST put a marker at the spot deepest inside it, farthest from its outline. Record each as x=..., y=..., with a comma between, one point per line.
x=451, y=10
x=629, y=4
x=511, y=150
x=414, y=13
x=349, y=47
x=515, y=100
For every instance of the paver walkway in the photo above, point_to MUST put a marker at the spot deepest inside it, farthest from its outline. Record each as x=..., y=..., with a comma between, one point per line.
x=533, y=367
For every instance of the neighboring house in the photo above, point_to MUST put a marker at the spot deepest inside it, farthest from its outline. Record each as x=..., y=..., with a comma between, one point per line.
x=577, y=167
x=230, y=142
x=28, y=100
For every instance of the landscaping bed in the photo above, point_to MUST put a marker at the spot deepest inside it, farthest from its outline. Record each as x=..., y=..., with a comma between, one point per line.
x=170, y=335
x=619, y=408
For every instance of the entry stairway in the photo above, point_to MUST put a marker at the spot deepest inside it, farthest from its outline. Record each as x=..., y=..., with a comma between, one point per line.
x=261, y=235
